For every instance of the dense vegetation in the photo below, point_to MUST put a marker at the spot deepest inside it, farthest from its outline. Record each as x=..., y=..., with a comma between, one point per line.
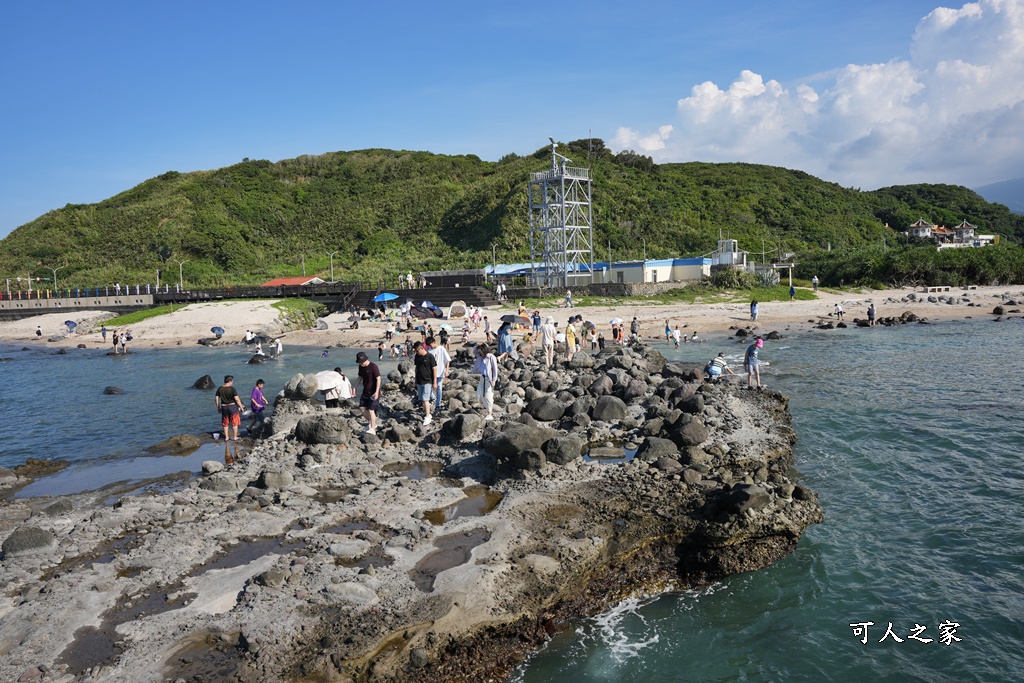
x=382, y=212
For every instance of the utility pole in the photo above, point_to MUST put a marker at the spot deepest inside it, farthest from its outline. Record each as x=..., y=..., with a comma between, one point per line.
x=645, y=249
x=303, y=265
x=55, y=275
x=494, y=260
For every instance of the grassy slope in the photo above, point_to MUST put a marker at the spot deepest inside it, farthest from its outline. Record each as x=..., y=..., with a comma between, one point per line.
x=384, y=211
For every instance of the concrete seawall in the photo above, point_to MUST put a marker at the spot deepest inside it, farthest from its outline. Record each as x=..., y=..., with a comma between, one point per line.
x=15, y=309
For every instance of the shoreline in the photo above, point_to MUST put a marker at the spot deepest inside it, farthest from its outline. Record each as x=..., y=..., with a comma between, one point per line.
x=188, y=325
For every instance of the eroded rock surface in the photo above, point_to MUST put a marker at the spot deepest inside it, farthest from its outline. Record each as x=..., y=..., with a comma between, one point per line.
x=439, y=553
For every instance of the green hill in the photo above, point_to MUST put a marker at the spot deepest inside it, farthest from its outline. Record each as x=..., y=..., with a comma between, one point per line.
x=386, y=211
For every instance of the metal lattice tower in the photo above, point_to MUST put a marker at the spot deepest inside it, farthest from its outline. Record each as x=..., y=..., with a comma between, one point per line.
x=561, y=224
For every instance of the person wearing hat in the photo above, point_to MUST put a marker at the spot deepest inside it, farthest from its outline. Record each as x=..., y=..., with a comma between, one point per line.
x=751, y=363
x=369, y=400
x=547, y=340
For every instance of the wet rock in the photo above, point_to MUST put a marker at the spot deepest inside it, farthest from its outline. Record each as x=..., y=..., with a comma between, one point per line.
x=609, y=409
x=675, y=370
x=34, y=467
x=26, y=540
x=546, y=408
x=113, y=391
x=333, y=429
x=518, y=438
x=773, y=335
x=205, y=382
x=562, y=450
x=180, y=444
x=653, y=448
x=998, y=310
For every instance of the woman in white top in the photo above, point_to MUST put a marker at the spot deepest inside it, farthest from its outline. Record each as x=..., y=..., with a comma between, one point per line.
x=486, y=365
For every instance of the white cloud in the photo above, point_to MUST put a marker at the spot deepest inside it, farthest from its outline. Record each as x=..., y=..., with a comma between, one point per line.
x=952, y=113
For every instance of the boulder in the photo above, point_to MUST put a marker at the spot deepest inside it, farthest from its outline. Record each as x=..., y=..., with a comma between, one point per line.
x=461, y=427
x=620, y=361
x=113, y=391
x=580, y=360
x=221, y=482
x=693, y=405
x=398, y=434
x=581, y=406
x=291, y=385
x=655, y=361
x=518, y=438
x=562, y=450
x=306, y=388
x=609, y=409
x=546, y=408
x=321, y=324
x=602, y=386
x=351, y=593
x=177, y=445
x=744, y=497
x=692, y=433
x=634, y=389
x=212, y=467
x=653, y=448
x=323, y=429
x=668, y=465
x=58, y=508
x=205, y=382
x=277, y=479
x=26, y=540
x=674, y=370
x=528, y=460
x=998, y=310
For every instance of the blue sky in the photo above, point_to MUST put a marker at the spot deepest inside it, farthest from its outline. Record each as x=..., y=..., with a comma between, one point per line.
x=101, y=96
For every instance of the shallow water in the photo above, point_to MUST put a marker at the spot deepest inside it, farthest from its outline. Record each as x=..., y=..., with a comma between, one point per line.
x=911, y=436
x=55, y=408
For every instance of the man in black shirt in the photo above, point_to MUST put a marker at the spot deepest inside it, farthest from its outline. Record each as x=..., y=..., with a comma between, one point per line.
x=230, y=406
x=369, y=400
x=426, y=378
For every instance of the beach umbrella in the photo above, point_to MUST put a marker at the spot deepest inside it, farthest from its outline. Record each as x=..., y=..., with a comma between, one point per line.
x=615, y=321
x=328, y=379
x=353, y=318
x=217, y=330
x=589, y=325
x=71, y=324
x=385, y=296
x=427, y=304
x=515, y=319
x=446, y=326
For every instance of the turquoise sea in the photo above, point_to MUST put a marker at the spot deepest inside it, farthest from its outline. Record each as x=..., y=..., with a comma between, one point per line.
x=912, y=436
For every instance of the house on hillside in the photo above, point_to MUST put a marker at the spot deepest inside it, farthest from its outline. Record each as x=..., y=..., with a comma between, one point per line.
x=964, y=232
x=921, y=228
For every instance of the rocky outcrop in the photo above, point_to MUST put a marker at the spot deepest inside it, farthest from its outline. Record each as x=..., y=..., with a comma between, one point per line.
x=419, y=553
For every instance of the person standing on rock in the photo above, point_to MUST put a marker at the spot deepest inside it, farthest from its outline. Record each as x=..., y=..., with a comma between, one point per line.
x=547, y=340
x=116, y=341
x=486, y=365
x=441, y=356
x=229, y=404
x=752, y=365
x=258, y=403
x=871, y=314
x=426, y=378
x=369, y=400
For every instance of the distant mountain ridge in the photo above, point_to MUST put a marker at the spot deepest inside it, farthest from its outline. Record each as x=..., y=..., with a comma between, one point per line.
x=1010, y=193
x=375, y=213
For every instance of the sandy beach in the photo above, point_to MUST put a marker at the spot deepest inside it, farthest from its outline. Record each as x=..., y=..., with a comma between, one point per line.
x=192, y=323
